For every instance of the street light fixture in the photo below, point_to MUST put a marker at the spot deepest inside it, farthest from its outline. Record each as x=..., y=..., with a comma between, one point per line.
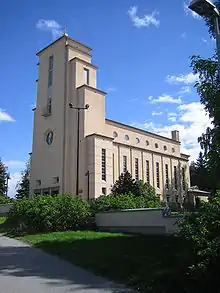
x=86, y=107
x=206, y=8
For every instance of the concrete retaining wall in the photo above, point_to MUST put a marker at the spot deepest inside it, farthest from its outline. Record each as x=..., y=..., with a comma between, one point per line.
x=145, y=221
x=4, y=209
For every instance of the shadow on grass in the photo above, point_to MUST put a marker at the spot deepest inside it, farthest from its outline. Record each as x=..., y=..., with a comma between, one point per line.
x=148, y=263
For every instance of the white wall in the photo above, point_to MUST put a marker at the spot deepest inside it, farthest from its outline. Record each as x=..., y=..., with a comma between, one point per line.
x=146, y=221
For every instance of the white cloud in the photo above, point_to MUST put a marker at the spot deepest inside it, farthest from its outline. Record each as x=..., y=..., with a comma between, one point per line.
x=15, y=177
x=172, y=116
x=190, y=12
x=165, y=99
x=133, y=100
x=111, y=89
x=14, y=164
x=191, y=121
x=4, y=116
x=184, y=90
x=145, y=21
x=156, y=113
x=50, y=26
x=183, y=35
x=204, y=40
x=182, y=78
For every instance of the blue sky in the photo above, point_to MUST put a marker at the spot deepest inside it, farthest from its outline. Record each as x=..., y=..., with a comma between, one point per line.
x=142, y=49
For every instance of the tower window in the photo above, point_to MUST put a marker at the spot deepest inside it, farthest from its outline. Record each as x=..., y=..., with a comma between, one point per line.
x=183, y=179
x=136, y=169
x=147, y=172
x=50, y=72
x=124, y=164
x=156, y=145
x=175, y=177
x=86, y=76
x=137, y=140
x=167, y=176
x=158, y=174
x=103, y=166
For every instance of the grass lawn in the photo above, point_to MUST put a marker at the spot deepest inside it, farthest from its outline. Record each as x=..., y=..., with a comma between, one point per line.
x=152, y=263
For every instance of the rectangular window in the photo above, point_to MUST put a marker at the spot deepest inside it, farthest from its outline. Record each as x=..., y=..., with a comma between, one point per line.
x=183, y=179
x=167, y=176
x=50, y=72
x=86, y=76
x=103, y=164
x=51, y=63
x=147, y=172
x=49, y=108
x=104, y=190
x=124, y=164
x=158, y=174
x=175, y=177
x=136, y=169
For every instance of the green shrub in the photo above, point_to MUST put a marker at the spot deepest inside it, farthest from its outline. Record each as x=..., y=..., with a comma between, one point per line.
x=124, y=201
x=47, y=213
x=5, y=199
x=202, y=230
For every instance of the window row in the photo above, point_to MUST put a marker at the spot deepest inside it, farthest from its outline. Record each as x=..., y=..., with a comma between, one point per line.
x=147, y=172
x=127, y=138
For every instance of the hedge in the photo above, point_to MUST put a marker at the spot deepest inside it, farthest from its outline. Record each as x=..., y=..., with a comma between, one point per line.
x=47, y=213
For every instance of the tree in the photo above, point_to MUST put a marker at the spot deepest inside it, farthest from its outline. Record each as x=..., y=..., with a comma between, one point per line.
x=199, y=174
x=127, y=185
x=208, y=88
x=201, y=230
x=23, y=185
x=3, y=179
x=124, y=185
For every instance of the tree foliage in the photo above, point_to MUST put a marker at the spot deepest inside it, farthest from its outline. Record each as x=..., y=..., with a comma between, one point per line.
x=199, y=174
x=127, y=185
x=23, y=185
x=208, y=88
x=3, y=179
x=202, y=230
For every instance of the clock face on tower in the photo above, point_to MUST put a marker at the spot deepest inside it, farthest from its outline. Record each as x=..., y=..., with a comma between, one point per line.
x=49, y=137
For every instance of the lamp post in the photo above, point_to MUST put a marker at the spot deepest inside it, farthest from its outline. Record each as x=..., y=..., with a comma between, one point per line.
x=206, y=8
x=77, y=148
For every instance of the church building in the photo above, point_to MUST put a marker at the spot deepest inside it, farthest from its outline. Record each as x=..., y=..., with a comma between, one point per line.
x=77, y=150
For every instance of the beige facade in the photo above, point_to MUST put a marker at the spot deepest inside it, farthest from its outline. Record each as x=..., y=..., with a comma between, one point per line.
x=106, y=148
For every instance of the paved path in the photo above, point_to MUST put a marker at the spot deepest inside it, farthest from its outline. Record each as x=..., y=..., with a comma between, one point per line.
x=24, y=269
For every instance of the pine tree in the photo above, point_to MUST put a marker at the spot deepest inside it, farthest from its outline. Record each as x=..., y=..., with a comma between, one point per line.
x=3, y=179
x=23, y=185
x=199, y=174
x=124, y=185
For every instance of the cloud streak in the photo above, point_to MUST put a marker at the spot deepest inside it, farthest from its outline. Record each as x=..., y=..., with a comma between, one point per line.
x=145, y=21
x=51, y=26
x=188, y=78
x=165, y=99
x=4, y=116
x=191, y=121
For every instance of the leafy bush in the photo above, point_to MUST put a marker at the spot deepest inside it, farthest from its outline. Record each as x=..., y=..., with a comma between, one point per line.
x=47, y=213
x=5, y=199
x=124, y=201
x=202, y=230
